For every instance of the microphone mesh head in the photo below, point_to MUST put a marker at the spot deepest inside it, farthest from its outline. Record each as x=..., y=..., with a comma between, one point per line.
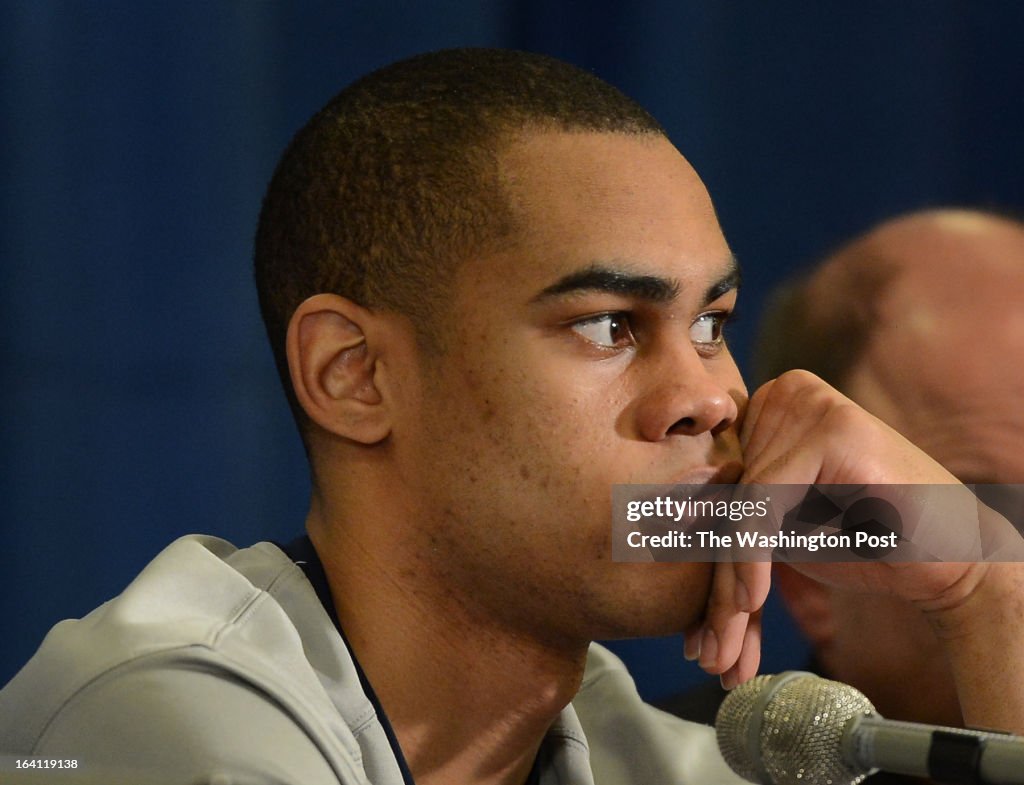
x=732, y=723
x=799, y=741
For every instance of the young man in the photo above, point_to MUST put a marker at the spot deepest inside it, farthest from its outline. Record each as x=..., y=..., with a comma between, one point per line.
x=494, y=289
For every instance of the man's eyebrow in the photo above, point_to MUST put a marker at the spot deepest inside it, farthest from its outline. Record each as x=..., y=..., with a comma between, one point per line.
x=731, y=280
x=652, y=288
x=599, y=278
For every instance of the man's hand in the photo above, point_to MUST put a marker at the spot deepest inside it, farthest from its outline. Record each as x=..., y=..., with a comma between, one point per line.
x=799, y=430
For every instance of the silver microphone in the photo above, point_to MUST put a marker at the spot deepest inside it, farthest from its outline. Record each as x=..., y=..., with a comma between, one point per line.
x=799, y=729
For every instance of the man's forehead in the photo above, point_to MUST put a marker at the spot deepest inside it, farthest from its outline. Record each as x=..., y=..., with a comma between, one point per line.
x=930, y=271
x=948, y=330
x=950, y=290
x=939, y=252
x=542, y=162
x=629, y=202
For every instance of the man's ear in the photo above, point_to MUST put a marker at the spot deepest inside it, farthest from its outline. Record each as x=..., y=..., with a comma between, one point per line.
x=808, y=602
x=332, y=367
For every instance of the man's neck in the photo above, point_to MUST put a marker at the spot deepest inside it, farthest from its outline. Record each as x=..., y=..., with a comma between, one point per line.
x=469, y=701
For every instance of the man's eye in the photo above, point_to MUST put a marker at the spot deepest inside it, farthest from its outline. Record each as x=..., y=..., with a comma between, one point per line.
x=610, y=330
x=707, y=329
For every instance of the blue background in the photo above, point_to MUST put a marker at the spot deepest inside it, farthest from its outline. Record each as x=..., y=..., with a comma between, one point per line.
x=139, y=398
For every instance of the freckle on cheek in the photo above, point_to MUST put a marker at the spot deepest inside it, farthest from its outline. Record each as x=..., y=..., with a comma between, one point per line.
x=524, y=472
x=489, y=411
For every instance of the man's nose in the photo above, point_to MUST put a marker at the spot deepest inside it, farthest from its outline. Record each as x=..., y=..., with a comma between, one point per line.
x=689, y=397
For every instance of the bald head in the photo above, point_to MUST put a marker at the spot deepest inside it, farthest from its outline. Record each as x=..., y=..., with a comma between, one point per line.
x=921, y=321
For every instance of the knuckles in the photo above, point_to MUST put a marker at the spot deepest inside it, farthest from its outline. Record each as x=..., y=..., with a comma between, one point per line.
x=799, y=414
x=806, y=393
x=802, y=385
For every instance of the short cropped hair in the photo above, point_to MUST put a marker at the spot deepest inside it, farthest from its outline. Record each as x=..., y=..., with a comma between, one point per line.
x=396, y=181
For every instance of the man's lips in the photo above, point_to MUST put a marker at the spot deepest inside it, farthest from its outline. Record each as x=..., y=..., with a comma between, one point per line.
x=726, y=474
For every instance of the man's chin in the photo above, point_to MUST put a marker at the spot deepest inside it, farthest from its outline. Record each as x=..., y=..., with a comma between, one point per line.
x=667, y=606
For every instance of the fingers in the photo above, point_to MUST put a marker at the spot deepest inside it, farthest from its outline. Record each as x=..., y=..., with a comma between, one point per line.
x=728, y=642
x=799, y=430
x=800, y=465
x=781, y=416
x=756, y=579
x=752, y=413
x=750, y=654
